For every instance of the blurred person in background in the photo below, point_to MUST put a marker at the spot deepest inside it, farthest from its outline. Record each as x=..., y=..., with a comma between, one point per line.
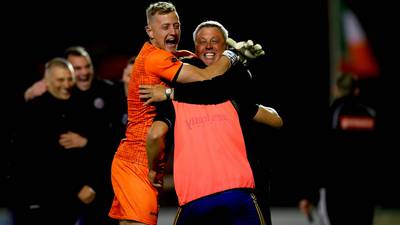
x=99, y=95
x=345, y=193
x=53, y=144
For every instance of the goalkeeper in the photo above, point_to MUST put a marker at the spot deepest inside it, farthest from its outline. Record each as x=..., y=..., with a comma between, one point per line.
x=212, y=176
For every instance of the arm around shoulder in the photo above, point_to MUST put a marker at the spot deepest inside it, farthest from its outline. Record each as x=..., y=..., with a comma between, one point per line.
x=190, y=73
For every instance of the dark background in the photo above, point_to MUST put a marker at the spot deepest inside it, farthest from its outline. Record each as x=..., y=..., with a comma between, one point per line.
x=293, y=77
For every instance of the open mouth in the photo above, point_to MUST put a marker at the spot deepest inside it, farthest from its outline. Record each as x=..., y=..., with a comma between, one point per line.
x=171, y=41
x=82, y=78
x=209, y=55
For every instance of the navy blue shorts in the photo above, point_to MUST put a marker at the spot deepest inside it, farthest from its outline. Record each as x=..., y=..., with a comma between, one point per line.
x=231, y=207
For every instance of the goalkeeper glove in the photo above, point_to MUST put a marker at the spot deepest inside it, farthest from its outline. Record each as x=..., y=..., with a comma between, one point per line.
x=246, y=50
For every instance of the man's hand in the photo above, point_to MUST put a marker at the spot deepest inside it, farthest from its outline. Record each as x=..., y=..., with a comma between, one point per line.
x=246, y=50
x=305, y=207
x=156, y=176
x=72, y=140
x=37, y=89
x=153, y=93
x=156, y=179
x=87, y=194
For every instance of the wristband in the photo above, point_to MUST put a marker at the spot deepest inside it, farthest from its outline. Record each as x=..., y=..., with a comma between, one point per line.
x=231, y=56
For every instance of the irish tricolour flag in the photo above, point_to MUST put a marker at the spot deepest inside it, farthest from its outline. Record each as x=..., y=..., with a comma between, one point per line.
x=356, y=54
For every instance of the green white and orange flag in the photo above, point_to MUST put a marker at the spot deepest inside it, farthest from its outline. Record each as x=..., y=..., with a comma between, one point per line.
x=350, y=50
x=357, y=57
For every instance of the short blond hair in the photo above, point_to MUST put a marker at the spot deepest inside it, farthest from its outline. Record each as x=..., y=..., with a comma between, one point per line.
x=161, y=8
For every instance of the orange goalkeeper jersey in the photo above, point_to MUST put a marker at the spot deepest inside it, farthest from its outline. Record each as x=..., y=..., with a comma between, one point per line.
x=152, y=66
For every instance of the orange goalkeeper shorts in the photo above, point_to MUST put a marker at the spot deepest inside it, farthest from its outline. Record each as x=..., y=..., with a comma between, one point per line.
x=135, y=198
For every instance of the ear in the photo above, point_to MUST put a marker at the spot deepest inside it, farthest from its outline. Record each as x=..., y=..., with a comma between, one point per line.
x=149, y=32
x=46, y=81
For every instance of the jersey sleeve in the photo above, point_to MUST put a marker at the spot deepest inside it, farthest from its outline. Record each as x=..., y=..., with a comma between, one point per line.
x=246, y=110
x=164, y=65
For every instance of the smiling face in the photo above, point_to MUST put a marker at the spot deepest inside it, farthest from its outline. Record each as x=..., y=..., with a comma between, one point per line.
x=164, y=31
x=59, y=81
x=83, y=71
x=209, y=44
